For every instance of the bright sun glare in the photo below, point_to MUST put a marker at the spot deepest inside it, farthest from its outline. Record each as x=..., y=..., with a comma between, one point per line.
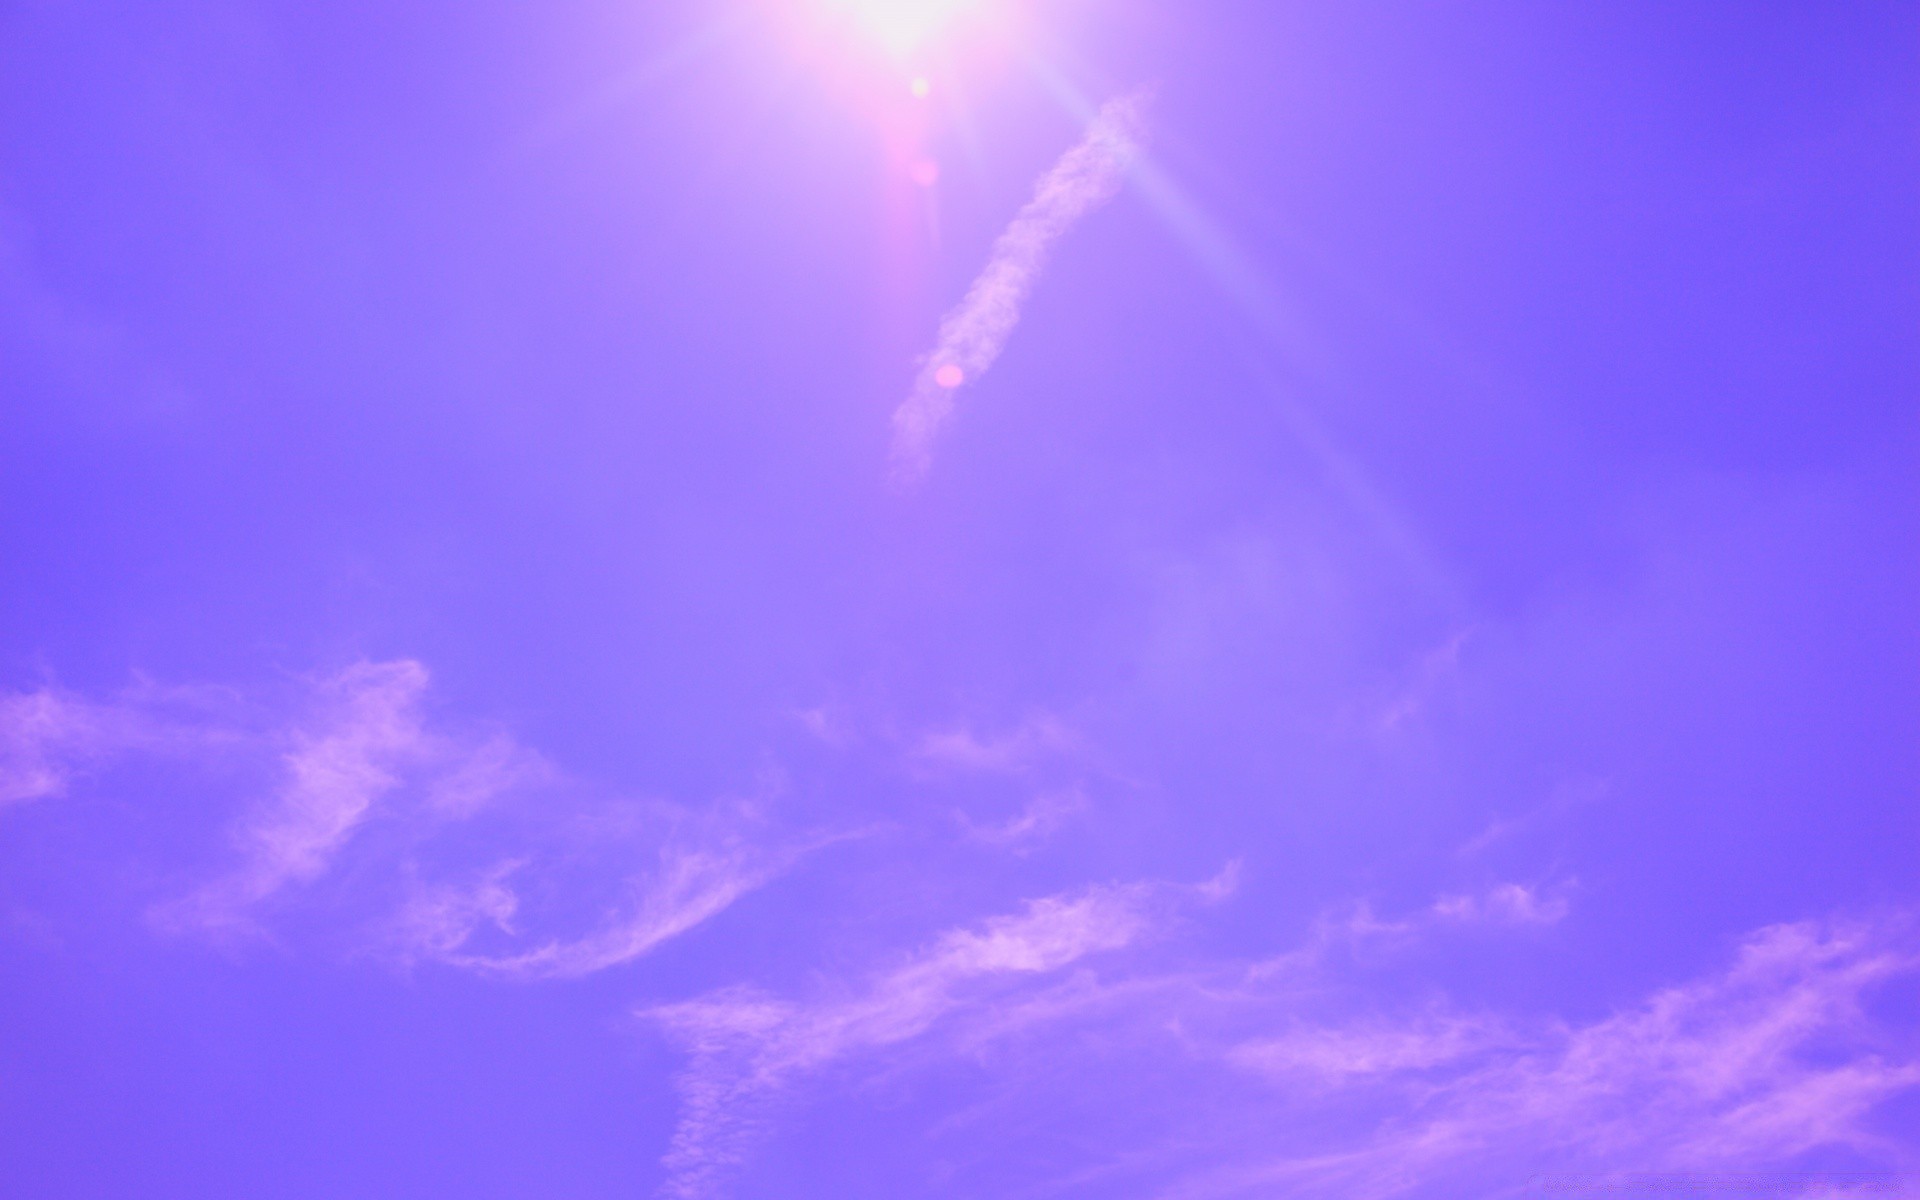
x=900, y=27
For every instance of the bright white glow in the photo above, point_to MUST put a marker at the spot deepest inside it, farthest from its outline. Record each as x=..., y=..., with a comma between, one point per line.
x=900, y=27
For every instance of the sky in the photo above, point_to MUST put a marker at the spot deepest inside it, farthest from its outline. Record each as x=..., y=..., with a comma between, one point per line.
x=922, y=598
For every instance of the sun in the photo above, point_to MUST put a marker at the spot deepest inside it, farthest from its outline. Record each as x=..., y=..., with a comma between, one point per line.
x=915, y=45
x=900, y=29
x=907, y=67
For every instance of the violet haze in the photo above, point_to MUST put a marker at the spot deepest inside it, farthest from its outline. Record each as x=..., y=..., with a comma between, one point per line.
x=537, y=659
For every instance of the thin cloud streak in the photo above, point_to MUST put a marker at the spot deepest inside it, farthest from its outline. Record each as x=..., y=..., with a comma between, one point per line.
x=691, y=886
x=1778, y=1054
x=333, y=777
x=1356, y=933
x=1743, y=1068
x=973, y=334
x=359, y=754
x=1507, y=904
x=43, y=736
x=961, y=749
x=1045, y=814
x=49, y=737
x=746, y=1046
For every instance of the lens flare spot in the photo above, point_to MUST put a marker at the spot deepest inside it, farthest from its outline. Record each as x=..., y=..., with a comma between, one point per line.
x=949, y=376
x=925, y=172
x=920, y=88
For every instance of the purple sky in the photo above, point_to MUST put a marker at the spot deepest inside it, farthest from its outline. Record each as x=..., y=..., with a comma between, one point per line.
x=1098, y=598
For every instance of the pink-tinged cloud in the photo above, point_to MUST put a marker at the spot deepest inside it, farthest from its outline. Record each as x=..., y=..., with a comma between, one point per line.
x=439, y=919
x=50, y=736
x=1505, y=904
x=1016, y=751
x=1307, y=1083
x=594, y=888
x=1314, y=1055
x=42, y=736
x=337, y=770
x=482, y=775
x=1355, y=931
x=688, y=886
x=746, y=1046
x=1747, y=1068
x=973, y=334
x=361, y=752
x=1042, y=817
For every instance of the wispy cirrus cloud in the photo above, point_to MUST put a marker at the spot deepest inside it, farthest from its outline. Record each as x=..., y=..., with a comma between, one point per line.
x=1747, y=1068
x=434, y=819
x=51, y=736
x=1042, y=756
x=1322, y=1055
x=689, y=884
x=334, y=774
x=747, y=1046
x=439, y=918
x=44, y=736
x=370, y=754
x=481, y=774
x=1042, y=816
x=1355, y=931
x=1218, y=1079
x=960, y=748
x=1503, y=904
x=973, y=334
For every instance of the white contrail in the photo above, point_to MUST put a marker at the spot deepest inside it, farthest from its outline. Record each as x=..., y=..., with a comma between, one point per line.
x=972, y=335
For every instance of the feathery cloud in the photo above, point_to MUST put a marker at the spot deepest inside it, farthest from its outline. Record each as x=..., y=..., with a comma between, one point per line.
x=1309, y=1082
x=1747, y=1068
x=332, y=778
x=42, y=736
x=972, y=335
x=1505, y=904
x=357, y=752
x=1374, y=1048
x=960, y=749
x=691, y=885
x=1356, y=932
x=746, y=1045
x=1044, y=814
x=50, y=736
